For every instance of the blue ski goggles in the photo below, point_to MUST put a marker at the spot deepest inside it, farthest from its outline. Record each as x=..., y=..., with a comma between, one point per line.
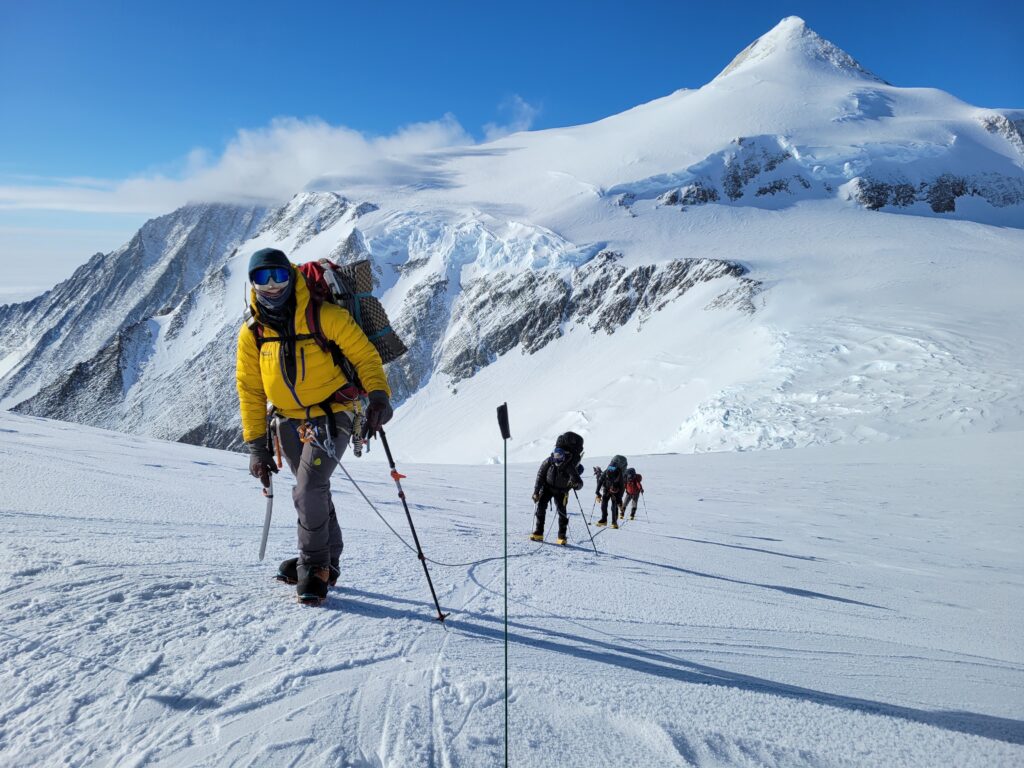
x=558, y=455
x=269, y=275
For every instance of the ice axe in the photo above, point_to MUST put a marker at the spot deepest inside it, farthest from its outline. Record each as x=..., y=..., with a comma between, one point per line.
x=268, y=484
x=268, y=491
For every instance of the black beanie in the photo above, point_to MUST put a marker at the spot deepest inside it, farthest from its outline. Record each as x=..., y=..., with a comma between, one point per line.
x=268, y=257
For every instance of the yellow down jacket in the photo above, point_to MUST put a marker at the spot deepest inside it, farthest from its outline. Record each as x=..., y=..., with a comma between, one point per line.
x=262, y=373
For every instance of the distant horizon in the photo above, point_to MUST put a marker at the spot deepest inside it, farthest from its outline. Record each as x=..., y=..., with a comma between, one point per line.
x=119, y=120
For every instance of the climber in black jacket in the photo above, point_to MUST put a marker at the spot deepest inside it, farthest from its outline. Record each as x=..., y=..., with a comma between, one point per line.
x=554, y=479
x=612, y=483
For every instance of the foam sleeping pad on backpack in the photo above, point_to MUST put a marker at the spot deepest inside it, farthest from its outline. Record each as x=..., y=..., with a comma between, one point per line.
x=351, y=288
x=572, y=444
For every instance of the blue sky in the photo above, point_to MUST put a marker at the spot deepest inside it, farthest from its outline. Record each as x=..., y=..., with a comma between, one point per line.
x=98, y=92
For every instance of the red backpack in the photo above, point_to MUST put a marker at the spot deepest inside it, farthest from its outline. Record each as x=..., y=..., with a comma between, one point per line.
x=350, y=286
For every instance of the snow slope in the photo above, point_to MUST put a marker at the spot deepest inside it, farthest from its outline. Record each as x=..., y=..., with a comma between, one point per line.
x=838, y=606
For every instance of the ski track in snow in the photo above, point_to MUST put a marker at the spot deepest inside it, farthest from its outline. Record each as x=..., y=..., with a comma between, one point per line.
x=816, y=607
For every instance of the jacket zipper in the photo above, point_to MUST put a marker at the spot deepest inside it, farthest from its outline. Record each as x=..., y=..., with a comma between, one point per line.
x=284, y=375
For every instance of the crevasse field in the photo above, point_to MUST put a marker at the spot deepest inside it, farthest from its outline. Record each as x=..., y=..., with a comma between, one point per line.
x=829, y=606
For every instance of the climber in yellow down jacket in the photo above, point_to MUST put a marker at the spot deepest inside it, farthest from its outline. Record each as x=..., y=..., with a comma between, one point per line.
x=280, y=361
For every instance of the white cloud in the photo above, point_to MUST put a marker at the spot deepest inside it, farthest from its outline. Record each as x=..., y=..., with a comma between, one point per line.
x=520, y=116
x=265, y=165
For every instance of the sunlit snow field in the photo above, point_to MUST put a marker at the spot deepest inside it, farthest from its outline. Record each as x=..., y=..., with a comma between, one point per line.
x=813, y=607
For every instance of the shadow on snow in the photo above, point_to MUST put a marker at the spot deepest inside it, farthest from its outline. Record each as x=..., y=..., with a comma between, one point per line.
x=669, y=667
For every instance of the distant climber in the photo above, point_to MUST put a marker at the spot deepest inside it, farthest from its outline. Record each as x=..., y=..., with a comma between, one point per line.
x=610, y=487
x=557, y=474
x=634, y=487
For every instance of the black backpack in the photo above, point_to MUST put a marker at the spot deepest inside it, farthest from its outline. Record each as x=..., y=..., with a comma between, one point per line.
x=572, y=444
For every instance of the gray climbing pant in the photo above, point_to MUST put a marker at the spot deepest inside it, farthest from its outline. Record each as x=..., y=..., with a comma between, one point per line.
x=320, y=542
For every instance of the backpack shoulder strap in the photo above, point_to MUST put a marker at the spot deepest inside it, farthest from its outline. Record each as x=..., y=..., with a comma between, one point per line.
x=328, y=345
x=254, y=325
x=313, y=323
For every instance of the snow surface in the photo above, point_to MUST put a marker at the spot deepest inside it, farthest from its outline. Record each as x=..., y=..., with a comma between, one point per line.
x=835, y=606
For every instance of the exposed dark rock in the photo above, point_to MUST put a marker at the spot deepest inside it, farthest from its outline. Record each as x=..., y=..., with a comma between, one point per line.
x=943, y=192
x=773, y=187
x=211, y=433
x=421, y=326
x=1010, y=129
x=940, y=193
x=306, y=215
x=903, y=194
x=85, y=393
x=166, y=260
x=873, y=194
x=495, y=315
x=411, y=266
x=352, y=248
x=740, y=168
x=997, y=189
x=772, y=160
x=697, y=193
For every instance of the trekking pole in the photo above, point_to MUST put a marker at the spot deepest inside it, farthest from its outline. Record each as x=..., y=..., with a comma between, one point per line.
x=268, y=491
x=506, y=434
x=644, y=497
x=579, y=503
x=397, y=477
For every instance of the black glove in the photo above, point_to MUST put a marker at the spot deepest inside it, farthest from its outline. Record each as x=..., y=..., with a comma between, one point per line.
x=261, y=460
x=536, y=497
x=378, y=413
x=577, y=485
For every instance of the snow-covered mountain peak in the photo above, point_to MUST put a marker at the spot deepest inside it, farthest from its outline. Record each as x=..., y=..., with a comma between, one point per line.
x=792, y=254
x=794, y=46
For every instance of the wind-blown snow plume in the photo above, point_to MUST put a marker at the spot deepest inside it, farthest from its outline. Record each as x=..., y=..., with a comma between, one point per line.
x=258, y=166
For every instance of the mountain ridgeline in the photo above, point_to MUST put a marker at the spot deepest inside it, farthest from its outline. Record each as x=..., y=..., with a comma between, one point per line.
x=167, y=370
x=543, y=244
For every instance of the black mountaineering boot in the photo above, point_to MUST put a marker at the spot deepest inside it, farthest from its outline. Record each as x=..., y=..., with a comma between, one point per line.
x=313, y=583
x=286, y=571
